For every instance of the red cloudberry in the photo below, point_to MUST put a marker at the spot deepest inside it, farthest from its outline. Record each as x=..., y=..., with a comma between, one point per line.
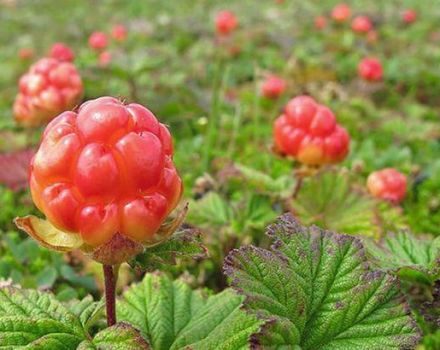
x=273, y=87
x=361, y=24
x=341, y=13
x=106, y=169
x=104, y=58
x=370, y=69
x=25, y=53
x=61, y=52
x=47, y=89
x=388, y=184
x=98, y=41
x=225, y=22
x=308, y=132
x=119, y=32
x=409, y=16
x=320, y=22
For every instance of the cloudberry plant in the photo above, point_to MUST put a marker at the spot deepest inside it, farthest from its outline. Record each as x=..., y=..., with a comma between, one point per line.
x=370, y=69
x=388, y=184
x=225, y=22
x=308, y=132
x=47, y=89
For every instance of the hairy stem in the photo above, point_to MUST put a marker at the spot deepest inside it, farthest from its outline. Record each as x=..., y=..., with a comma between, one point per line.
x=110, y=278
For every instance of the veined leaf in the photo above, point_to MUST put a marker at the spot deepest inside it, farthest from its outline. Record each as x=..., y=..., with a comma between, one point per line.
x=121, y=336
x=172, y=316
x=87, y=310
x=210, y=210
x=411, y=257
x=34, y=320
x=185, y=244
x=315, y=288
x=329, y=200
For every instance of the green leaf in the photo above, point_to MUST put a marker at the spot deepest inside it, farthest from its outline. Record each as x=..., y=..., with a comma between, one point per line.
x=318, y=292
x=211, y=210
x=47, y=277
x=121, y=336
x=413, y=258
x=36, y=320
x=87, y=310
x=172, y=316
x=330, y=201
x=182, y=245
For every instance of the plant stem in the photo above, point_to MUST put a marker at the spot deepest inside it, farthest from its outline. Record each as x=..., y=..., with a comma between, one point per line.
x=110, y=294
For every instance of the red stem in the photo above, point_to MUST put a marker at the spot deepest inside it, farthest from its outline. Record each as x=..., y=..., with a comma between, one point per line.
x=110, y=294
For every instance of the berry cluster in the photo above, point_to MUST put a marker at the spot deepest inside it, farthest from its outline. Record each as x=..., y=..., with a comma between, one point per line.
x=106, y=169
x=308, y=132
x=387, y=184
x=47, y=89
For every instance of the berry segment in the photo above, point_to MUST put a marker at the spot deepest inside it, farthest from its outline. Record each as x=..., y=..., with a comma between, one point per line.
x=61, y=52
x=104, y=170
x=387, y=184
x=48, y=88
x=308, y=132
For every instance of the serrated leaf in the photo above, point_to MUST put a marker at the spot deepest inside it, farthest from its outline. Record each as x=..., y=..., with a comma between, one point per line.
x=317, y=291
x=87, y=310
x=36, y=320
x=182, y=245
x=121, y=336
x=172, y=316
x=411, y=257
x=330, y=201
x=210, y=210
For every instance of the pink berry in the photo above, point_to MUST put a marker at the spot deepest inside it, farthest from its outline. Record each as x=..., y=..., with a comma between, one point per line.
x=104, y=58
x=370, y=69
x=341, y=13
x=273, y=87
x=387, y=184
x=409, y=16
x=308, y=132
x=320, y=22
x=119, y=32
x=361, y=24
x=61, y=52
x=226, y=22
x=98, y=41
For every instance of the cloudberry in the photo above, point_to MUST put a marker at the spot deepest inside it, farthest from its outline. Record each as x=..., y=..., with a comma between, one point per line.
x=361, y=24
x=370, y=69
x=47, y=89
x=388, y=184
x=225, y=22
x=308, y=132
x=98, y=41
x=409, y=16
x=341, y=13
x=106, y=170
x=119, y=32
x=273, y=87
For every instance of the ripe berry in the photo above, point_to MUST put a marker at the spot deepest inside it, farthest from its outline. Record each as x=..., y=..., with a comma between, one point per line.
x=104, y=58
x=370, y=69
x=341, y=13
x=361, y=24
x=61, y=52
x=409, y=16
x=98, y=41
x=225, y=22
x=273, y=87
x=106, y=169
x=388, y=184
x=119, y=32
x=308, y=132
x=47, y=89
x=25, y=53
x=320, y=22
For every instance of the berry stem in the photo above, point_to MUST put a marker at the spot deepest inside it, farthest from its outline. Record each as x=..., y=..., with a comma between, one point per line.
x=110, y=278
